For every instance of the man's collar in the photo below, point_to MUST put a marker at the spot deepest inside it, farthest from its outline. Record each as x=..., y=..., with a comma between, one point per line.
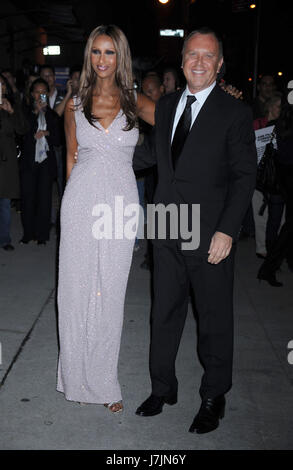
x=200, y=95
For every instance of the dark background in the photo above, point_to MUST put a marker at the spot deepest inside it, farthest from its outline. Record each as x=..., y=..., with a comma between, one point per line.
x=68, y=23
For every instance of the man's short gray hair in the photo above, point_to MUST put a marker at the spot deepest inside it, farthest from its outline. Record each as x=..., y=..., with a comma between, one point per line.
x=204, y=30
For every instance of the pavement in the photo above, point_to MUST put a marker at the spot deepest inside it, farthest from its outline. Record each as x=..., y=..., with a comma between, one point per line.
x=259, y=412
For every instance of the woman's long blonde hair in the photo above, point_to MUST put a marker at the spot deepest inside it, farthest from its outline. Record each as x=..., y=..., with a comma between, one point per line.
x=124, y=78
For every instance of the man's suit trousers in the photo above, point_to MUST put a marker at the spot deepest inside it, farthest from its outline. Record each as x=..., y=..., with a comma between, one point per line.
x=213, y=289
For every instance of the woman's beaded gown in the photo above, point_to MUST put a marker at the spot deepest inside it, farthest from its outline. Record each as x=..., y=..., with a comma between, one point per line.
x=93, y=272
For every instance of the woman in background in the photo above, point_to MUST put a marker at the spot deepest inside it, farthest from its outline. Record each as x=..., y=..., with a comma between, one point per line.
x=268, y=224
x=282, y=248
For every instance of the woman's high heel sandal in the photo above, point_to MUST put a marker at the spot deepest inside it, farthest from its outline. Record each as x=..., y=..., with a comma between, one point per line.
x=115, y=406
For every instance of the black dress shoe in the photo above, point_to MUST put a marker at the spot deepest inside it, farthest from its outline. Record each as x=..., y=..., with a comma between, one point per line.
x=270, y=277
x=154, y=405
x=210, y=412
x=8, y=247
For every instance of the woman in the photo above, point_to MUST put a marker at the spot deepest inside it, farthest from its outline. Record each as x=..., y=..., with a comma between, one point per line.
x=38, y=165
x=276, y=202
x=12, y=122
x=282, y=247
x=268, y=224
x=101, y=129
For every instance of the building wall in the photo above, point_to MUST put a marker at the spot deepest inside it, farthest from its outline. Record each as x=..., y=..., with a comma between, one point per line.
x=16, y=37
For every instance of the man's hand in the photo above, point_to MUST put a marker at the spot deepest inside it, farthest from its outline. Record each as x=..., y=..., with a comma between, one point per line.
x=40, y=105
x=69, y=88
x=220, y=247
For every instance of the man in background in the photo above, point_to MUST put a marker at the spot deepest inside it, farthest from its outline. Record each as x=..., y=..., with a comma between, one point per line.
x=266, y=88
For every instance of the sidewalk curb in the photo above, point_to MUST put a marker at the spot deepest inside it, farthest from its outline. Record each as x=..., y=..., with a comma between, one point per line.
x=26, y=338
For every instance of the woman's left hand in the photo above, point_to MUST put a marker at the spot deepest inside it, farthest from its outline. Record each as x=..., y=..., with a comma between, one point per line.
x=6, y=106
x=232, y=90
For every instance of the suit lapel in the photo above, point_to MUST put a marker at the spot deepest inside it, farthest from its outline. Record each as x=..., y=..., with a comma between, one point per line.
x=173, y=108
x=174, y=105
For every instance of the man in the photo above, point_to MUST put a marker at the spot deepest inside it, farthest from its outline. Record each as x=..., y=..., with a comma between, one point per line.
x=74, y=79
x=266, y=88
x=212, y=164
x=47, y=73
x=72, y=87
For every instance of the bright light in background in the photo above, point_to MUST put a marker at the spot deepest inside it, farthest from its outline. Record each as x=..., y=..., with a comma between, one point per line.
x=250, y=79
x=51, y=50
x=252, y=5
x=172, y=32
x=163, y=1
x=280, y=74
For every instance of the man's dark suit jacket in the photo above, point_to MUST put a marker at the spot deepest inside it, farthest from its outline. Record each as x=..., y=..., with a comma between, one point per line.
x=217, y=166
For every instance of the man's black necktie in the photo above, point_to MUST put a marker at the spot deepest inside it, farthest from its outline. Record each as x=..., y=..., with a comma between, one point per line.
x=182, y=130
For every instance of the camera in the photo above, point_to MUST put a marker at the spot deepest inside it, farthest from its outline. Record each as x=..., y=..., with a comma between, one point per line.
x=43, y=98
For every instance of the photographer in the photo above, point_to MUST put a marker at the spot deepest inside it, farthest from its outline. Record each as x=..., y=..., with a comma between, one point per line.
x=38, y=165
x=72, y=87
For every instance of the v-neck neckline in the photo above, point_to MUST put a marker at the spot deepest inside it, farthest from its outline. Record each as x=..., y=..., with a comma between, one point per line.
x=107, y=129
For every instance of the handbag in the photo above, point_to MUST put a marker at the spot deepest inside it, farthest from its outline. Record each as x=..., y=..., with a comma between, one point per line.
x=267, y=178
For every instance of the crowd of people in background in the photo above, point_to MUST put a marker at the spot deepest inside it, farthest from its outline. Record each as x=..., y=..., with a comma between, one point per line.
x=32, y=150
x=32, y=158
x=272, y=213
